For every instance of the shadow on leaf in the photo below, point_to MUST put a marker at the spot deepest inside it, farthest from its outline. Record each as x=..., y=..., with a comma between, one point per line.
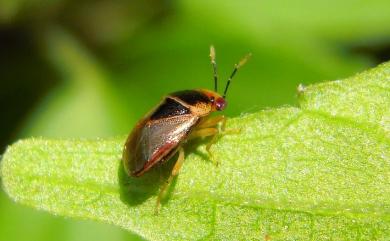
x=136, y=190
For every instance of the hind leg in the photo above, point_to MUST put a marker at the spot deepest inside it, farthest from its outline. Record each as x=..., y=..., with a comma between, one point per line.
x=174, y=172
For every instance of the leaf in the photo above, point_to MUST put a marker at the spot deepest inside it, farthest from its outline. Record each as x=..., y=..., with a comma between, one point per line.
x=320, y=171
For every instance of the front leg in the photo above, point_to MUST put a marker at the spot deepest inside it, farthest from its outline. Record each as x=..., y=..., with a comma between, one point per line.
x=209, y=127
x=213, y=122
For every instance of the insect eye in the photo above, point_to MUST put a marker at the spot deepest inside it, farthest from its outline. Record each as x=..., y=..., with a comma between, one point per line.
x=212, y=99
x=221, y=103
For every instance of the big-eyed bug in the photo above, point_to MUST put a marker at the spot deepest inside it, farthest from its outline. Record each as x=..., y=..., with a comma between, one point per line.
x=180, y=116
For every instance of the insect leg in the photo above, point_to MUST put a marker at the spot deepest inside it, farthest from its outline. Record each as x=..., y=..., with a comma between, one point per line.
x=175, y=171
x=213, y=121
x=211, y=131
x=204, y=132
x=209, y=128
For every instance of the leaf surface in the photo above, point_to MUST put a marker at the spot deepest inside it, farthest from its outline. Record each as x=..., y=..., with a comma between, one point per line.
x=317, y=171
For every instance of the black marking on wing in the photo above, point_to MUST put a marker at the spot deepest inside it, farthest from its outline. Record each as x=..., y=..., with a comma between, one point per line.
x=169, y=108
x=191, y=97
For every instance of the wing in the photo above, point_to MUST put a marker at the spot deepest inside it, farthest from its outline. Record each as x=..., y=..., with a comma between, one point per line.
x=156, y=140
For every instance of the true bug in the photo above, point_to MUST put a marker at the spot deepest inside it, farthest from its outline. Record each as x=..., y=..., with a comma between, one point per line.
x=180, y=116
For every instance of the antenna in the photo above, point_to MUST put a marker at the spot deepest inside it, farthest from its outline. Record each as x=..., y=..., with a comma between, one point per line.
x=236, y=67
x=214, y=64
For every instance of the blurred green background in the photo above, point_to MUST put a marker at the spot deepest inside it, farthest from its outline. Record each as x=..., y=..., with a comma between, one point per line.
x=92, y=68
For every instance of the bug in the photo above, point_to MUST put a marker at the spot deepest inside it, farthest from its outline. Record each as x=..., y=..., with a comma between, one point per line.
x=179, y=117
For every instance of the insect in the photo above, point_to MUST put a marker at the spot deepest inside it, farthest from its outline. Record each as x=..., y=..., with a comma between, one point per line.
x=180, y=116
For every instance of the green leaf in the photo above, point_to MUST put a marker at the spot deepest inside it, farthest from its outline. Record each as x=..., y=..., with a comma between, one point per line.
x=320, y=171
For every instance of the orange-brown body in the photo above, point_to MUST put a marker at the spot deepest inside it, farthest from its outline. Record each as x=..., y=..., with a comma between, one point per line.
x=157, y=136
x=180, y=116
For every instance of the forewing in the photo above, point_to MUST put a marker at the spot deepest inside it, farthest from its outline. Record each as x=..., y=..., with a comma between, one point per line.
x=158, y=138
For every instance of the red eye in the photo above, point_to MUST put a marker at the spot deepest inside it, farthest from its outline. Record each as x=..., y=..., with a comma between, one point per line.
x=220, y=103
